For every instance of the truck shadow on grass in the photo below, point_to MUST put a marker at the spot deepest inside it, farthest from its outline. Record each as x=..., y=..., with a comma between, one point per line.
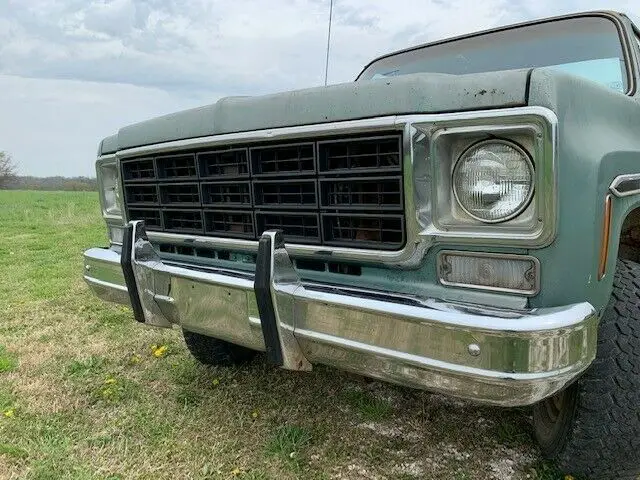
x=346, y=426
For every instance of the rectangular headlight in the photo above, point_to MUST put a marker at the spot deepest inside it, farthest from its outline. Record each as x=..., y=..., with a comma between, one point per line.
x=107, y=173
x=488, y=271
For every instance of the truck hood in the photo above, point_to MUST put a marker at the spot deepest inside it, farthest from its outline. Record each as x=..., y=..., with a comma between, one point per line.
x=417, y=93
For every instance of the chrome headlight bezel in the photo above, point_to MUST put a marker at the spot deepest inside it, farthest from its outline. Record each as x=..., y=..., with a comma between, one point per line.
x=437, y=145
x=110, y=188
x=111, y=196
x=528, y=163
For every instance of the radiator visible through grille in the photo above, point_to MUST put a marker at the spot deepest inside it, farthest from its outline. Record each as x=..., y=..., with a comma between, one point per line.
x=345, y=192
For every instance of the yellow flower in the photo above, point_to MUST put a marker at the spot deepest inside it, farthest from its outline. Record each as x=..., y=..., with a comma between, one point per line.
x=110, y=381
x=568, y=477
x=160, y=351
x=215, y=382
x=235, y=472
x=9, y=413
x=255, y=414
x=135, y=359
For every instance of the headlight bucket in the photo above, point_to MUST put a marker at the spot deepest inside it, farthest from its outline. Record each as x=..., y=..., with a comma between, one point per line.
x=493, y=180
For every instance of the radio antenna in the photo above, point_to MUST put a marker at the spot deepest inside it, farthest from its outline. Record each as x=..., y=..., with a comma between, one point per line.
x=326, y=65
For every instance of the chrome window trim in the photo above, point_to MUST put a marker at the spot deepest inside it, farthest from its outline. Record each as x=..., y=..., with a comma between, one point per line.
x=504, y=256
x=632, y=179
x=419, y=238
x=616, y=18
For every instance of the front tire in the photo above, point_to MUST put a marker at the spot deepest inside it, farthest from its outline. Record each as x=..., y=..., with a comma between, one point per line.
x=213, y=351
x=592, y=428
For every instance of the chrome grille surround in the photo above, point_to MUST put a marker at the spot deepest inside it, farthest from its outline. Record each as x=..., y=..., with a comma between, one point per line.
x=278, y=187
x=421, y=231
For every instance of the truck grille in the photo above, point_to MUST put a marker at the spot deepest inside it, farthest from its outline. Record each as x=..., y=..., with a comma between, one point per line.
x=337, y=192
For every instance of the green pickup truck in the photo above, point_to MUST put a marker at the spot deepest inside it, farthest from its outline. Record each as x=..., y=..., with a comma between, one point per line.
x=463, y=218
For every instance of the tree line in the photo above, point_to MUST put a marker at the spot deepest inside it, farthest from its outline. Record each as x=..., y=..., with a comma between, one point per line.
x=10, y=180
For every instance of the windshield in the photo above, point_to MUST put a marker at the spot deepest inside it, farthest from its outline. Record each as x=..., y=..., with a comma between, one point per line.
x=586, y=46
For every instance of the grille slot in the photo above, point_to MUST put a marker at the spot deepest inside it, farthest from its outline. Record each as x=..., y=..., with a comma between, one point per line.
x=223, y=163
x=176, y=167
x=285, y=193
x=144, y=194
x=151, y=217
x=182, y=221
x=283, y=160
x=180, y=194
x=379, y=193
x=229, y=223
x=377, y=154
x=226, y=194
x=297, y=227
x=332, y=191
x=376, y=231
x=139, y=169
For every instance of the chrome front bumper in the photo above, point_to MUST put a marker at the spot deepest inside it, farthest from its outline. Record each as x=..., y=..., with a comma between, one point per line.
x=499, y=357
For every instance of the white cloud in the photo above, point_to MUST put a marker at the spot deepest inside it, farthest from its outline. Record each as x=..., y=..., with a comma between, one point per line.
x=73, y=71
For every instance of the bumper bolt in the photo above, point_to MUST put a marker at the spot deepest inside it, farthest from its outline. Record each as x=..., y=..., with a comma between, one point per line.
x=474, y=349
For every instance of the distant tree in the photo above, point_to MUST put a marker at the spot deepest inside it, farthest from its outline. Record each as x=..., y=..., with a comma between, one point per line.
x=8, y=169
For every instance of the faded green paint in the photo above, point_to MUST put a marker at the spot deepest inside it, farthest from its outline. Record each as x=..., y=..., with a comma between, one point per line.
x=598, y=139
x=419, y=93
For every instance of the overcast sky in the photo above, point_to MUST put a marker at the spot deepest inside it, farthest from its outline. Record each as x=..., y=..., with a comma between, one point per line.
x=74, y=71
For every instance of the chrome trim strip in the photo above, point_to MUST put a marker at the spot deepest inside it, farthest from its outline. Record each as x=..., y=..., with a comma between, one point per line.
x=630, y=184
x=502, y=256
x=101, y=283
x=422, y=361
x=419, y=239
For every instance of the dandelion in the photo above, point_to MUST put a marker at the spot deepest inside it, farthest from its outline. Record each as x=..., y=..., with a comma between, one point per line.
x=568, y=477
x=110, y=381
x=159, y=351
x=215, y=382
x=9, y=413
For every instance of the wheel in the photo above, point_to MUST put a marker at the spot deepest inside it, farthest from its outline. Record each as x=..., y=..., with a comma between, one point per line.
x=212, y=351
x=592, y=428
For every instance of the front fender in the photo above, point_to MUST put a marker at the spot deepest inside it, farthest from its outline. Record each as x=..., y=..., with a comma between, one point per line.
x=598, y=139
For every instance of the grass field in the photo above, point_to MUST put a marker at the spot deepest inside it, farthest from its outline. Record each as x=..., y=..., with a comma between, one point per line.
x=86, y=393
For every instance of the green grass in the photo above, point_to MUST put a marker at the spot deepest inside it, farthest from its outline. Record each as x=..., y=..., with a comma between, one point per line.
x=368, y=406
x=287, y=441
x=83, y=397
x=7, y=361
